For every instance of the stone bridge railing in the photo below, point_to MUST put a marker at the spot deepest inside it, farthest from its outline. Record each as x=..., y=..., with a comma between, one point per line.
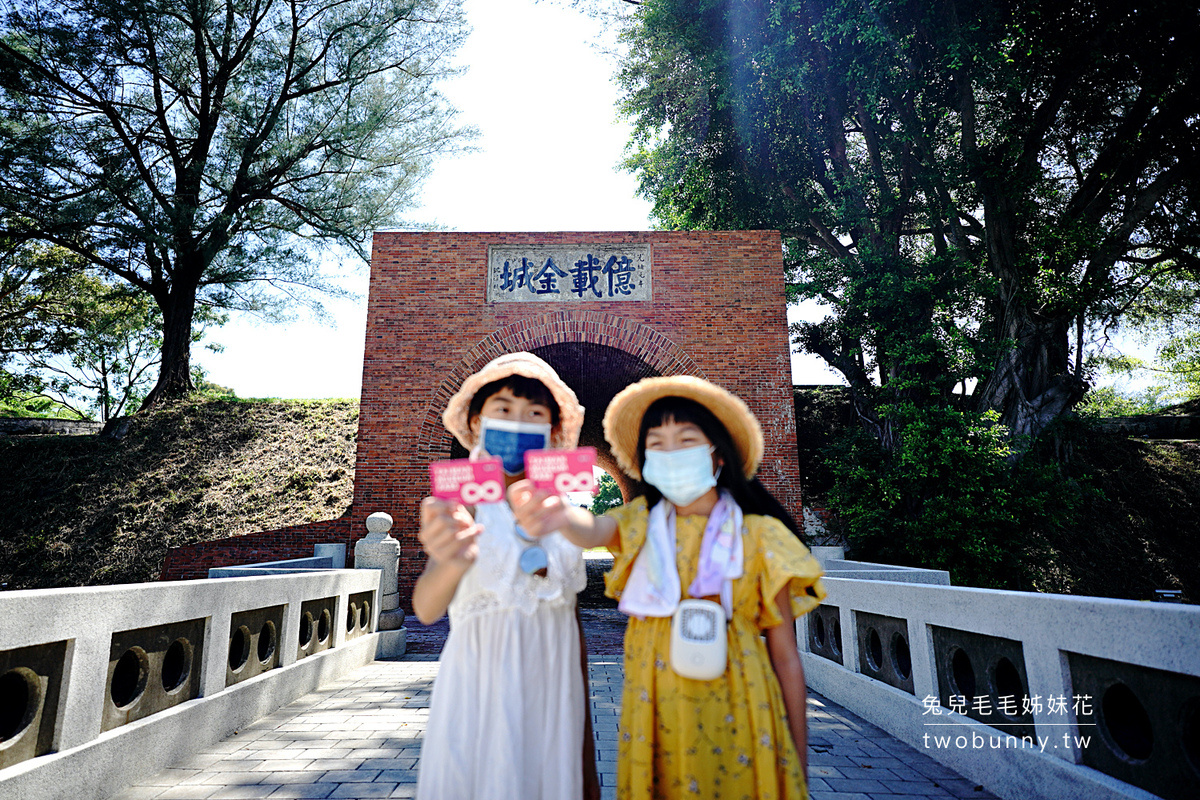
x=1034, y=696
x=1031, y=695
x=103, y=686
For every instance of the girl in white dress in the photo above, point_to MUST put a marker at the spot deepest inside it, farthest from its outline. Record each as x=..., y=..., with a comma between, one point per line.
x=509, y=712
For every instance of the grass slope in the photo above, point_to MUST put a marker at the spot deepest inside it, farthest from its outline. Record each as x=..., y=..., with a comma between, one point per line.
x=78, y=510
x=1143, y=530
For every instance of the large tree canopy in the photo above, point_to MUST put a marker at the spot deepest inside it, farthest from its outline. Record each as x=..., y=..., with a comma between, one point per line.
x=969, y=187
x=203, y=150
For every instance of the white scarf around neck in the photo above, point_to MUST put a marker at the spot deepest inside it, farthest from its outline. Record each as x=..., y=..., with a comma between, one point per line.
x=654, y=588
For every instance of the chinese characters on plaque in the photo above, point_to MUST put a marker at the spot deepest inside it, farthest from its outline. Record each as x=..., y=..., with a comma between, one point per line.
x=541, y=273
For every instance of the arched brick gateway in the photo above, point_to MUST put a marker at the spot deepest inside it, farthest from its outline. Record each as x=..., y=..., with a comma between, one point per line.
x=711, y=304
x=597, y=354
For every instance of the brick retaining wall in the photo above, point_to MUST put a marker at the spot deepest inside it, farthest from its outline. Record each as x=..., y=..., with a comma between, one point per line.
x=296, y=541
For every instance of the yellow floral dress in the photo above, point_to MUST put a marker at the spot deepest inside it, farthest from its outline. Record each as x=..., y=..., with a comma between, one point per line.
x=725, y=738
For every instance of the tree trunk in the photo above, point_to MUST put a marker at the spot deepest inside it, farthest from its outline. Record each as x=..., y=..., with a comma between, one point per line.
x=1032, y=383
x=175, y=371
x=105, y=399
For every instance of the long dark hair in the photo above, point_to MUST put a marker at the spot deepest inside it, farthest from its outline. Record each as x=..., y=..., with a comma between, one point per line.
x=751, y=495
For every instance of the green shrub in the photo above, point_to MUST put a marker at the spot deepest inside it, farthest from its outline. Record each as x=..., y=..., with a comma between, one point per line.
x=949, y=496
x=608, y=496
x=1106, y=401
x=28, y=405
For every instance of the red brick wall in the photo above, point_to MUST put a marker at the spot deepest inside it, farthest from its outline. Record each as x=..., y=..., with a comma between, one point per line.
x=194, y=561
x=718, y=312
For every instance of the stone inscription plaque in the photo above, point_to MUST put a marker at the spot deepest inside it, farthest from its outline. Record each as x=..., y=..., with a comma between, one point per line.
x=573, y=273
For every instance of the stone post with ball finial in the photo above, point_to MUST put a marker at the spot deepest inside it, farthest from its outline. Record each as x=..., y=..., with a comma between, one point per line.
x=379, y=550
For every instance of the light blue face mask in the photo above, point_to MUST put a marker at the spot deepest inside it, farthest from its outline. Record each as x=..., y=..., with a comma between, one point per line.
x=683, y=476
x=509, y=439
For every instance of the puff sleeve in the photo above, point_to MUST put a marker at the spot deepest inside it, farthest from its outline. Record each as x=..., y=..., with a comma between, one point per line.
x=781, y=561
x=631, y=535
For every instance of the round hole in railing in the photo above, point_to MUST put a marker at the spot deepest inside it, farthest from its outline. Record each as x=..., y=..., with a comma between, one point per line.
x=1191, y=733
x=901, y=658
x=19, y=694
x=177, y=664
x=306, y=629
x=1124, y=719
x=239, y=648
x=351, y=616
x=962, y=674
x=1008, y=683
x=819, y=631
x=129, y=677
x=835, y=641
x=364, y=615
x=266, y=642
x=874, y=650
x=323, y=626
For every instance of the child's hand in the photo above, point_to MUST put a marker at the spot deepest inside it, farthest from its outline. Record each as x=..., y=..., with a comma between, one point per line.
x=448, y=532
x=541, y=512
x=538, y=511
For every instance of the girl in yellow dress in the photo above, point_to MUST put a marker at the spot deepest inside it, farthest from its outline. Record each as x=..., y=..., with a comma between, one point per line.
x=699, y=528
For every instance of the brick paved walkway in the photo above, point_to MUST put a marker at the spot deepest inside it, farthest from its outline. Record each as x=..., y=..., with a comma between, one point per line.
x=361, y=738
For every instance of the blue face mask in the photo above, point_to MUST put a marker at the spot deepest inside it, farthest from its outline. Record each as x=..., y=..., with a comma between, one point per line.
x=683, y=476
x=509, y=439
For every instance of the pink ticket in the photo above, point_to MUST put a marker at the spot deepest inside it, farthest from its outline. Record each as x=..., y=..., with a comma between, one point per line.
x=469, y=482
x=562, y=470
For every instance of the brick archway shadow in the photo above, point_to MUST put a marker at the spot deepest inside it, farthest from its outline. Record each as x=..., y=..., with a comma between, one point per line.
x=640, y=350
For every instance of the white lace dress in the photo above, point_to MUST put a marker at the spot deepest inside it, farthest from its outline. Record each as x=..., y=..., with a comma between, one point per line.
x=507, y=712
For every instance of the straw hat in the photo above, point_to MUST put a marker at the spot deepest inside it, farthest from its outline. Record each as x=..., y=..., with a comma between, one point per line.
x=623, y=419
x=570, y=413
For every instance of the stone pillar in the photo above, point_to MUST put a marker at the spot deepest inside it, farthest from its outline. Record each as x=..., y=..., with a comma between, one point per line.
x=825, y=554
x=379, y=550
x=336, y=553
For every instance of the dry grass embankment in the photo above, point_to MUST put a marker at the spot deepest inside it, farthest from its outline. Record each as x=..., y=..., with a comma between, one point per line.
x=1141, y=533
x=79, y=510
